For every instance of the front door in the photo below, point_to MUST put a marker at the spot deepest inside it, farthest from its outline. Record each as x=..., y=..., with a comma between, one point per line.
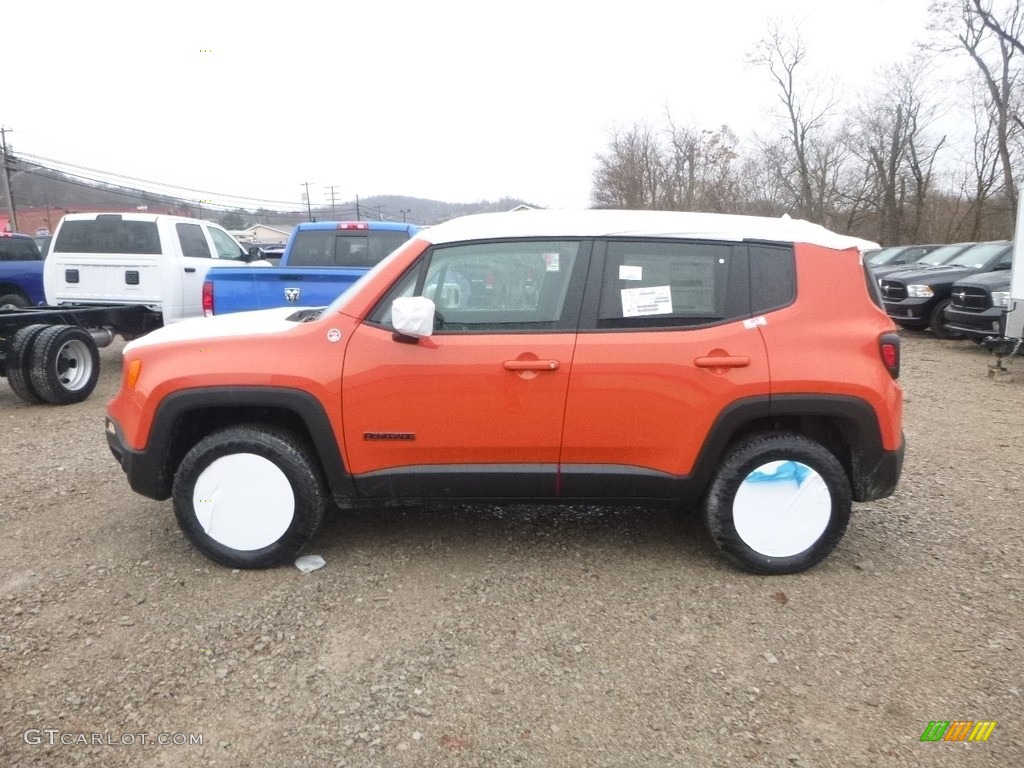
x=476, y=409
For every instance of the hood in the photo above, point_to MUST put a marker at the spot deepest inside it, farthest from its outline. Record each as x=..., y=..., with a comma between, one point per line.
x=932, y=275
x=260, y=322
x=990, y=281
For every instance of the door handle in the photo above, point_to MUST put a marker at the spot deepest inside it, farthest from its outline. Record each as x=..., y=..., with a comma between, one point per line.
x=530, y=365
x=724, y=361
x=190, y=270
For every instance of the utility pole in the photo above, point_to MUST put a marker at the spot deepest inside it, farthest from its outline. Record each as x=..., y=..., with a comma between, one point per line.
x=309, y=207
x=379, y=216
x=332, y=188
x=358, y=217
x=6, y=175
x=405, y=211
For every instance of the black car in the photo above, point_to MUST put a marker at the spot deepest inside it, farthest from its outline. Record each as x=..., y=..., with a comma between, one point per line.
x=978, y=305
x=898, y=254
x=918, y=297
x=934, y=256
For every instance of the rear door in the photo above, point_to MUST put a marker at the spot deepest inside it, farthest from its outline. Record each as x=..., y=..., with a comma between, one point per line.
x=666, y=343
x=476, y=409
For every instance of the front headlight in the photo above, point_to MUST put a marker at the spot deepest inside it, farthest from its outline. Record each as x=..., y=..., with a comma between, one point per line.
x=1000, y=298
x=919, y=291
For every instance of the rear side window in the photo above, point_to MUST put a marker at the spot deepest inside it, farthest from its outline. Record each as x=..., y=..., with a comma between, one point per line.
x=110, y=236
x=343, y=248
x=654, y=284
x=18, y=249
x=772, y=277
x=193, y=243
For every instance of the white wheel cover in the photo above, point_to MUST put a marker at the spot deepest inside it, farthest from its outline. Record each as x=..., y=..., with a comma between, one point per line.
x=782, y=508
x=243, y=501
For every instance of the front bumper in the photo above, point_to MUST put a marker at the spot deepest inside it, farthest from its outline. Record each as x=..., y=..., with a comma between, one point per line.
x=978, y=325
x=910, y=309
x=145, y=476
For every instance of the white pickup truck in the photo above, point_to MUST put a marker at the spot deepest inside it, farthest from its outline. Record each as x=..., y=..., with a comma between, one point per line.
x=107, y=274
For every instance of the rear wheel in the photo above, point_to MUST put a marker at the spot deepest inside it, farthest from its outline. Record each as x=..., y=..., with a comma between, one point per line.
x=249, y=496
x=65, y=364
x=19, y=363
x=779, y=503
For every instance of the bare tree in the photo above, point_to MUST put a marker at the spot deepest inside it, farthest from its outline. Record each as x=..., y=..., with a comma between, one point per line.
x=892, y=140
x=783, y=53
x=700, y=174
x=991, y=36
x=631, y=174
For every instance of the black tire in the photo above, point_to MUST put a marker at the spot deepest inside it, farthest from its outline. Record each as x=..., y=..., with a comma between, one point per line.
x=12, y=301
x=938, y=322
x=19, y=363
x=831, y=513
x=65, y=364
x=911, y=325
x=297, y=466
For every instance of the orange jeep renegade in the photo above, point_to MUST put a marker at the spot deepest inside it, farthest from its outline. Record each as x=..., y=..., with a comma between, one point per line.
x=598, y=357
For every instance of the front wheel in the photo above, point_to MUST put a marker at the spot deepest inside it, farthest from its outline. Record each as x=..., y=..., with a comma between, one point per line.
x=249, y=496
x=938, y=322
x=779, y=503
x=12, y=301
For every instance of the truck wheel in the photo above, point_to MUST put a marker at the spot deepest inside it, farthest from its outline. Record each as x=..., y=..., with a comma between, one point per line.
x=65, y=364
x=938, y=322
x=19, y=363
x=12, y=301
x=779, y=503
x=249, y=496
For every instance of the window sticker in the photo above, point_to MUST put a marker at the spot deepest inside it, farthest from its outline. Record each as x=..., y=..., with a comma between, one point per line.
x=656, y=300
x=627, y=272
x=551, y=261
x=755, y=321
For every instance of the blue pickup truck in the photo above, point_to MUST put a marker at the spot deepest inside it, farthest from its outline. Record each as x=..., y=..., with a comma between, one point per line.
x=21, y=272
x=322, y=259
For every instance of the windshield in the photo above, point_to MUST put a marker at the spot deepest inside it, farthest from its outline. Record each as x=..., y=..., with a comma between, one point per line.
x=884, y=256
x=978, y=256
x=943, y=254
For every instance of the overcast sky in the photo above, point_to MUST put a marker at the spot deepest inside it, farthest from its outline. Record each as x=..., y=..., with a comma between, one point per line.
x=455, y=101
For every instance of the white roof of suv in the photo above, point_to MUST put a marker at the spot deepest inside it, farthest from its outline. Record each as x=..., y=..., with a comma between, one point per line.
x=619, y=223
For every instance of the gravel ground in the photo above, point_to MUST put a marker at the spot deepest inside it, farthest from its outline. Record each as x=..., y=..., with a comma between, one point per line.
x=518, y=636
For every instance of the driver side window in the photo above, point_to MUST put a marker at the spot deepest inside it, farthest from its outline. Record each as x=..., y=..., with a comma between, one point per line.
x=491, y=287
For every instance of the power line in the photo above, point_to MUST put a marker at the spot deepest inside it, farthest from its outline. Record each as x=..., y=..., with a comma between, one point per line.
x=206, y=194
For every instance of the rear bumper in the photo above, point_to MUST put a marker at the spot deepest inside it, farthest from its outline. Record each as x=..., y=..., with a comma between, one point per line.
x=876, y=475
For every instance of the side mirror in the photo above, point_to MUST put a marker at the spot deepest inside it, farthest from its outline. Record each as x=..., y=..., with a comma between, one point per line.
x=1002, y=267
x=413, y=316
x=255, y=253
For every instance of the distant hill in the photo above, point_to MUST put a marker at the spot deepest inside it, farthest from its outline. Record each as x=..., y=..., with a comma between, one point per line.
x=40, y=188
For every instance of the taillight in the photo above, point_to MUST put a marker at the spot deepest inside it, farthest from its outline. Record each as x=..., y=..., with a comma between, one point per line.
x=207, y=299
x=889, y=346
x=353, y=225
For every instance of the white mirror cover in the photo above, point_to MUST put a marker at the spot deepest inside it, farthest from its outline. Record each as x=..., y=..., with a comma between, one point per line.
x=413, y=316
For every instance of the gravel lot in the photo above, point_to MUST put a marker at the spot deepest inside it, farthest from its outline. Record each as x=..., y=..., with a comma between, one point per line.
x=522, y=636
